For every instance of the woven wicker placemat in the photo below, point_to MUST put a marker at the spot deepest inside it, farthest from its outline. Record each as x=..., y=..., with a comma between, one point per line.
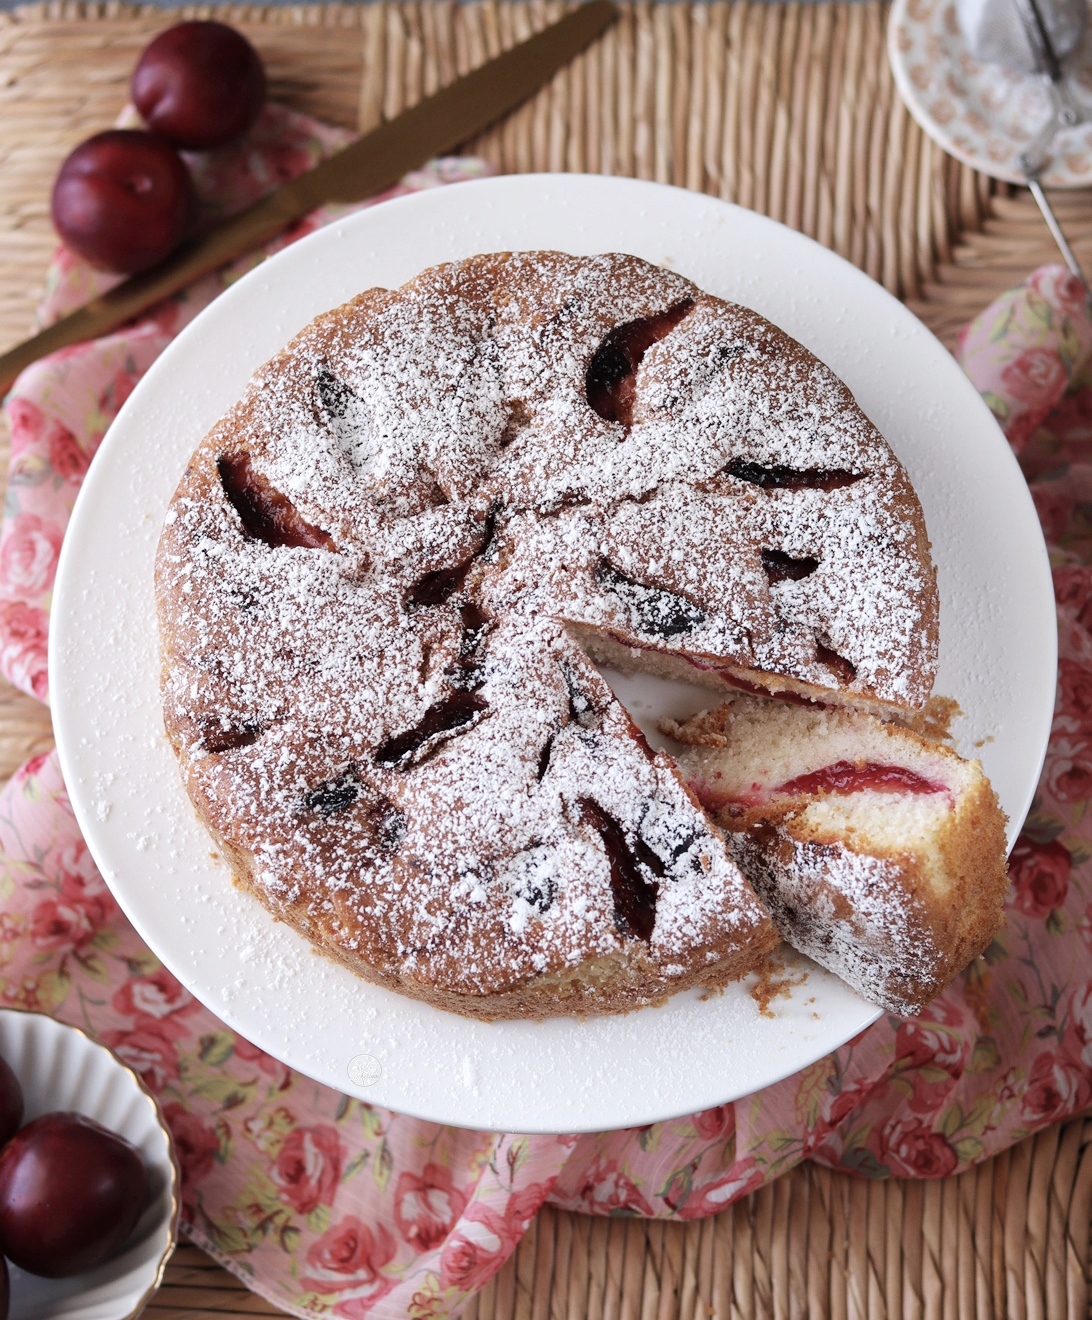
x=789, y=109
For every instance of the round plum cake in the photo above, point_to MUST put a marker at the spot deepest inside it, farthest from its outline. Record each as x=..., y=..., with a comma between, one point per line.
x=387, y=571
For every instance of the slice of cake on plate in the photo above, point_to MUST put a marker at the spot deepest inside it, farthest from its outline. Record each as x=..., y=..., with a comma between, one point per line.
x=878, y=853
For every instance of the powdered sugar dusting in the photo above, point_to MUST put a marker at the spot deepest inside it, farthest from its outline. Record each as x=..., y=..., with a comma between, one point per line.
x=862, y=927
x=401, y=733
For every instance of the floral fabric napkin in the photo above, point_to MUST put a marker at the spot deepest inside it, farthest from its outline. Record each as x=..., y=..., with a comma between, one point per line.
x=329, y=1206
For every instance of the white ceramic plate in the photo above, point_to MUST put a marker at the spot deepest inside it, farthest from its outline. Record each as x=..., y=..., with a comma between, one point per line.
x=60, y=1067
x=997, y=657
x=983, y=114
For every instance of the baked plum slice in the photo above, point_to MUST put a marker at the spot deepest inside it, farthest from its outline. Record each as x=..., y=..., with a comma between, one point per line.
x=611, y=380
x=632, y=887
x=776, y=476
x=265, y=513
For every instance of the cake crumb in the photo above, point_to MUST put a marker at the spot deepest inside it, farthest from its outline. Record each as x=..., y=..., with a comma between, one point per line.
x=775, y=981
x=935, y=719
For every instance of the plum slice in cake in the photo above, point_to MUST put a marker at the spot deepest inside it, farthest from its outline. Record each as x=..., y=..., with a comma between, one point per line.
x=880, y=854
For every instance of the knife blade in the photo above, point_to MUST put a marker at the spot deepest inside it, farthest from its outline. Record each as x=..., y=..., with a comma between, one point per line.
x=373, y=162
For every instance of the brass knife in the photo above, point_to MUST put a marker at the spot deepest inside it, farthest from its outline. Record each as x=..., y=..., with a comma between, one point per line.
x=373, y=162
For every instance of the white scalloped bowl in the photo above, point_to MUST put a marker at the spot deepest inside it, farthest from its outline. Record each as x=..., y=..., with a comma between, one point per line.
x=62, y=1068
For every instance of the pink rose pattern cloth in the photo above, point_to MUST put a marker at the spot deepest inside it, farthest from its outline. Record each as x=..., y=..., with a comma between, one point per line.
x=332, y=1207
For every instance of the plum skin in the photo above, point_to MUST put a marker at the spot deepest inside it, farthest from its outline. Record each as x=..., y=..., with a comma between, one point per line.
x=11, y=1106
x=123, y=200
x=199, y=84
x=70, y=1194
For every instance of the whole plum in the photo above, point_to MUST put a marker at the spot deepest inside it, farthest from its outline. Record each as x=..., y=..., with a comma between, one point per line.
x=11, y=1103
x=199, y=84
x=70, y=1194
x=123, y=200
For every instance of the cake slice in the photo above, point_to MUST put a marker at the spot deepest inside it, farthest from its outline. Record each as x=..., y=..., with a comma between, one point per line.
x=880, y=854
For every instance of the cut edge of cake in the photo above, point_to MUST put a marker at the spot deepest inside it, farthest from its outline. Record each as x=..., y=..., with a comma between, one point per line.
x=879, y=853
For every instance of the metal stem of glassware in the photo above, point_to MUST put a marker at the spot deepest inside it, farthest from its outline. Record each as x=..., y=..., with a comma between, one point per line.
x=1056, y=230
x=1064, y=114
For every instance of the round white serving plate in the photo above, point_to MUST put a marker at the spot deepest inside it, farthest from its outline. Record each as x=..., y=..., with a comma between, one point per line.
x=60, y=1067
x=984, y=114
x=997, y=657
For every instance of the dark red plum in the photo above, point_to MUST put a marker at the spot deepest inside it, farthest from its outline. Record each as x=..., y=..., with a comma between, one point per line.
x=11, y=1103
x=123, y=200
x=70, y=1194
x=199, y=84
